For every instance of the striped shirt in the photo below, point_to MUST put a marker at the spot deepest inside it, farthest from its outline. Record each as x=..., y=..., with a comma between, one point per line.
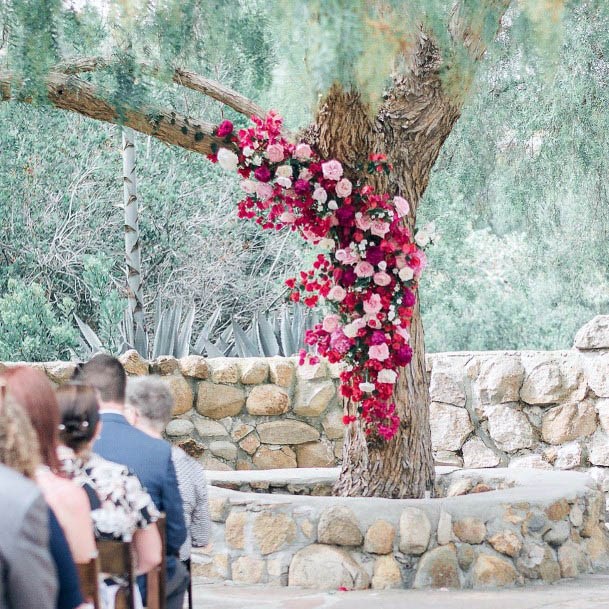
x=193, y=488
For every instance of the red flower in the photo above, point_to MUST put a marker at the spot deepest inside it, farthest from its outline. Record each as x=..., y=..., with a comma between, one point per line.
x=224, y=128
x=262, y=173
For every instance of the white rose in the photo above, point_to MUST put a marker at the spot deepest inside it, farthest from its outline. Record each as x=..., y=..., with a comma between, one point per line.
x=228, y=160
x=382, y=265
x=247, y=151
x=366, y=387
x=333, y=205
x=326, y=244
x=387, y=376
x=421, y=238
x=350, y=330
x=284, y=182
x=320, y=194
x=284, y=171
x=406, y=274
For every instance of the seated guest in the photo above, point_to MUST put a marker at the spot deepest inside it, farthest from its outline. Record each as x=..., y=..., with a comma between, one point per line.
x=150, y=403
x=148, y=458
x=31, y=389
x=32, y=578
x=124, y=509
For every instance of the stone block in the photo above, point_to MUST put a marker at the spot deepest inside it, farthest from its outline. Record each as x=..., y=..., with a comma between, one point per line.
x=134, y=363
x=214, y=465
x=310, y=372
x=558, y=533
x=179, y=427
x=558, y=510
x=339, y=526
x=273, y=532
x=164, y=364
x=552, y=379
x=194, y=366
x=218, y=507
x=234, y=530
x=387, y=573
x=509, y=427
x=597, y=373
x=182, y=393
x=333, y=425
x=537, y=561
x=240, y=431
x=530, y=461
x=568, y=456
x=219, y=401
x=250, y=443
x=224, y=370
x=59, y=372
x=254, y=370
x=568, y=422
x=506, y=542
x=287, y=431
x=266, y=400
x=446, y=383
x=465, y=555
x=315, y=454
x=325, y=567
x=572, y=560
x=438, y=568
x=445, y=528
x=312, y=398
x=477, y=455
x=470, y=530
x=598, y=449
x=415, y=531
x=208, y=428
x=593, y=335
x=247, y=570
x=224, y=449
x=379, y=538
x=274, y=458
x=499, y=378
x=450, y=426
x=493, y=572
x=281, y=371
x=447, y=457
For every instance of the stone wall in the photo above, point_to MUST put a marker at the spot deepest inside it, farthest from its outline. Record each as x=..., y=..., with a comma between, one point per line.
x=488, y=528
x=489, y=409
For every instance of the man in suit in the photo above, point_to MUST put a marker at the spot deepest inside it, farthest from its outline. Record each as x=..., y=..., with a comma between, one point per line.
x=27, y=571
x=149, y=458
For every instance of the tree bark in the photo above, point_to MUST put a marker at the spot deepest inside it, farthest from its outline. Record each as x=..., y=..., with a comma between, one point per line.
x=133, y=263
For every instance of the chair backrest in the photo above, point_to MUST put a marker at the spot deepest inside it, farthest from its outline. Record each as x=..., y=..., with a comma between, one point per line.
x=157, y=577
x=116, y=558
x=88, y=574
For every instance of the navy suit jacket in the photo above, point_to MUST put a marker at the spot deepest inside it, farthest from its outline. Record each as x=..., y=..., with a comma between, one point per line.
x=150, y=460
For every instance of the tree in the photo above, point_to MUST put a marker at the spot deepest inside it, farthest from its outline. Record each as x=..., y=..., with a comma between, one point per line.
x=431, y=62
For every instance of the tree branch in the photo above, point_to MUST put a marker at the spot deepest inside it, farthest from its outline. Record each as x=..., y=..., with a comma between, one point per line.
x=182, y=77
x=70, y=93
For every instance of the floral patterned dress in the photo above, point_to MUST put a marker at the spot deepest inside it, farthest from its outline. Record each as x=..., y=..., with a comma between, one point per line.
x=124, y=505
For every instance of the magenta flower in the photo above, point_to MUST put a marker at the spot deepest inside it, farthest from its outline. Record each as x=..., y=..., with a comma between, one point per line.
x=302, y=187
x=262, y=173
x=374, y=254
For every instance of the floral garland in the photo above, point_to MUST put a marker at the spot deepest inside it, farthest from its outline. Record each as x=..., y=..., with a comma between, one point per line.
x=369, y=274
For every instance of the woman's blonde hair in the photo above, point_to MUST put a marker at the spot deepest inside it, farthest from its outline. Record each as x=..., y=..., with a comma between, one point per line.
x=18, y=442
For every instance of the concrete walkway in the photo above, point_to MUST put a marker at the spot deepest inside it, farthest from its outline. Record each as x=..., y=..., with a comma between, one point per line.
x=590, y=592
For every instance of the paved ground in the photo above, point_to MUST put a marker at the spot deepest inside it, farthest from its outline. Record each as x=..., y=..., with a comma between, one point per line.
x=591, y=592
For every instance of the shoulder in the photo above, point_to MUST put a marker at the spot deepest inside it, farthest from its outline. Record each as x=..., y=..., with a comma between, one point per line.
x=17, y=493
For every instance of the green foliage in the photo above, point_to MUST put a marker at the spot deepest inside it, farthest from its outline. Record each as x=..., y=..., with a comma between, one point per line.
x=31, y=329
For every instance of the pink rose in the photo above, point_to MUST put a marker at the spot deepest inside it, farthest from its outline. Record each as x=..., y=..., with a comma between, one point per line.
x=303, y=152
x=373, y=304
x=249, y=186
x=319, y=194
x=364, y=269
x=401, y=206
x=224, y=128
x=403, y=332
x=331, y=323
x=337, y=293
x=305, y=174
x=378, y=352
x=343, y=188
x=275, y=153
x=387, y=376
x=346, y=256
x=373, y=322
x=400, y=261
x=284, y=182
x=340, y=342
x=381, y=278
x=417, y=262
x=287, y=217
x=363, y=222
x=264, y=191
x=332, y=170
x=379, y=228
x=284, y=171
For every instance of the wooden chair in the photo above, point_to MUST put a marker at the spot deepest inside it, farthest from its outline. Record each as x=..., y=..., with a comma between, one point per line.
x=156, y=583
x=88, y=574
x=117, y=559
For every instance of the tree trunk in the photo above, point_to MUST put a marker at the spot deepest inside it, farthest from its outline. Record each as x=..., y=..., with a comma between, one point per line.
x=132, y=232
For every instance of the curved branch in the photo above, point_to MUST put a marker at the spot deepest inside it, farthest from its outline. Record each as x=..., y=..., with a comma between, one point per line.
x=70, y=93
x=182, y=77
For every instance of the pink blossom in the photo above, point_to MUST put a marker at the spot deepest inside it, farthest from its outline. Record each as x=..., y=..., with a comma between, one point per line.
x=381, y=278
x=303, y=152
x=337, y=293
x=319, y=194
x=364, y=269
x=354, y=327
x=263, y=190
x=339, y=341
x=284, y=171
x=378, y=352
x=284, y=182
x=332, y=170
x=346, y=256
x=406, y=273
x=401, y=206
x=331, y=323
x=379, y=228
x=275, y=153
x=387, y=376
x=344, y=188
x=363, y=222
x=249, y=186
x=403, y=332
x=373, y=304
x=373, y=322
x=417, y=262
x=287, y=217
x=305, y=174
x=400, y=261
